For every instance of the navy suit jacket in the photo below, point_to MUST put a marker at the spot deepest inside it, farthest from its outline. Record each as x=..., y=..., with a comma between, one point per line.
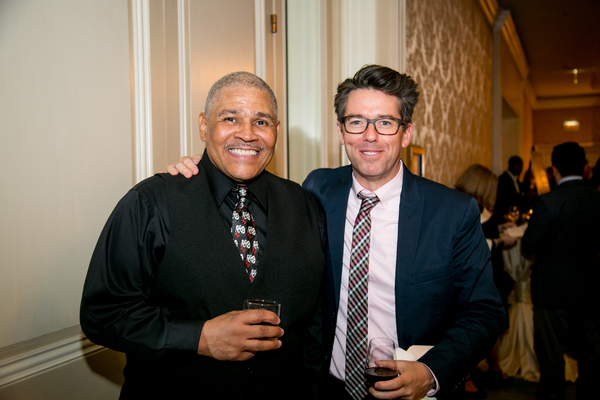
x=445, y=295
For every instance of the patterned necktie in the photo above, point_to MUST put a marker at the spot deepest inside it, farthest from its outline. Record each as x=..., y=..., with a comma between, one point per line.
x=356, y=333
x=244, y=232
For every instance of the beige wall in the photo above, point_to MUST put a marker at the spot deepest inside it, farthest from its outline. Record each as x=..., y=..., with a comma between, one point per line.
x=449, y=47
x=328, y=41
x=548, y=125
x=511, y=81
x=65, y=149
x=548, y=131
x=72, y=128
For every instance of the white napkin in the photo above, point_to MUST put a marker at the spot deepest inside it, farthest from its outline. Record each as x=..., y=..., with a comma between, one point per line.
x=517, y=232
x=412, y=354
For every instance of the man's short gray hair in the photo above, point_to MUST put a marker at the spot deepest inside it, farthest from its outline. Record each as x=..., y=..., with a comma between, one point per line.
x=240, y=78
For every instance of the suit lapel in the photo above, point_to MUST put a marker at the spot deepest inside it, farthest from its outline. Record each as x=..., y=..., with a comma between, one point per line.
x=335, y=204
x=409, y=231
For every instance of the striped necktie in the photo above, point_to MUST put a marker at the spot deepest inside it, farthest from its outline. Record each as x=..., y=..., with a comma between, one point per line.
x=357, y=330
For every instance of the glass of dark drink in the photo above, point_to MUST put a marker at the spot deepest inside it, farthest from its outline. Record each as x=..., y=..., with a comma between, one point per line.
x=379, y=349
x=259, y=304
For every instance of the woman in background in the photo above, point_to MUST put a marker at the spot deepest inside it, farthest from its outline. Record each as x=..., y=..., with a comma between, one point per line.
x=480, y=183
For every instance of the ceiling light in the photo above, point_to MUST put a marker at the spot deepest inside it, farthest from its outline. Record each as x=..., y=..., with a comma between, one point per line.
x=571, y=126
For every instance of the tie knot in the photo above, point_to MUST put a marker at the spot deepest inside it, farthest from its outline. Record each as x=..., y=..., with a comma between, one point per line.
x=368, y=202
x=241, y=192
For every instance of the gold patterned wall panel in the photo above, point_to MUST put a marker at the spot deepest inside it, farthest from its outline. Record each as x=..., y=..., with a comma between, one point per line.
x=449, y=54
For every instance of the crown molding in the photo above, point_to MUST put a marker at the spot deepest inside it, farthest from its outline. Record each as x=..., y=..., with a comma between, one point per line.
x=492, y=11
x=566, y=102
x=510, y=35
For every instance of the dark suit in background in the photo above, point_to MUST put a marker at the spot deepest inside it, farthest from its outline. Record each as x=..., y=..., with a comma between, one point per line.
x=445, y=295
x=506, y=197
x=564, y=236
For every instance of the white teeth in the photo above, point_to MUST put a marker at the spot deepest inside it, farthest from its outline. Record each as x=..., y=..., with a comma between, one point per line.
x=240, y=152
x=370, y=153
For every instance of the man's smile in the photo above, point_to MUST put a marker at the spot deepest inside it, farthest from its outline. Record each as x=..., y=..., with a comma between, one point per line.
x=243, y=152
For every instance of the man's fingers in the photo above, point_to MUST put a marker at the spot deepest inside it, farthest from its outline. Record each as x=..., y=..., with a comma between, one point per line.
x=187, y=165
x=256, y=345
x=390, y=364
x=264, y=331
x=172, y=170
x=414, y=381
x=258, y=316
x=190, y=164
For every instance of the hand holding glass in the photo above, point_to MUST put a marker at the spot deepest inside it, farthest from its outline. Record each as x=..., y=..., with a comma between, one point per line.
x=379, y=349
x=259, y=304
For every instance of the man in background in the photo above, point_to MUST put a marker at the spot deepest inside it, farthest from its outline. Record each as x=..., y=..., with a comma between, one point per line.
x=509, y=188
x=169, y=274
x=406, y=257
x=563, y=239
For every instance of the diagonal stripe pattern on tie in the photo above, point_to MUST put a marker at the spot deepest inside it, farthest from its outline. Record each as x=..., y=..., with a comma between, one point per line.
x=357, y=330
x=243, y=232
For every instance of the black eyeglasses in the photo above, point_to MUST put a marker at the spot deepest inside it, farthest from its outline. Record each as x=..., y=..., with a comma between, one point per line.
x=384, y=126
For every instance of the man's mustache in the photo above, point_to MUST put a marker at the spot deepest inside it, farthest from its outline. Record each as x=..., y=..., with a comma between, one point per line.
x=242, y=145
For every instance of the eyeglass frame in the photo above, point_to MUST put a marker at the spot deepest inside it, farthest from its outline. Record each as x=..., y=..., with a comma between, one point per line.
x=400, y=121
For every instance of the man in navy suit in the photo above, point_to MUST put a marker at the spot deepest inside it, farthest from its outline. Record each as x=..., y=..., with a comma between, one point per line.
x=564, y=237
x=430, y=277
x=429, y=272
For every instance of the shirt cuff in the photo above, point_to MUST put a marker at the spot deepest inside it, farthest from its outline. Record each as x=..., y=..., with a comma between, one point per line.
x=184, y=335
x=436, y=389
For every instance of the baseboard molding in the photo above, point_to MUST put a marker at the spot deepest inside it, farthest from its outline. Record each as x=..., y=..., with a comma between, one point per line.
x=40, y=354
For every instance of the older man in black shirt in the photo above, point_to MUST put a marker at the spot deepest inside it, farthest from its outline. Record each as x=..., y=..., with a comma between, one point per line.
x=167, y=281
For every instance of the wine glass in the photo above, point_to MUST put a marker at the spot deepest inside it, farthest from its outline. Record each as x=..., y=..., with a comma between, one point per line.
x=513, y=214
x=379, y=349
x=527, y=216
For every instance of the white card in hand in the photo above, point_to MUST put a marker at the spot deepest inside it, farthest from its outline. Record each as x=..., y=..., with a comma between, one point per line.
x=412, y=354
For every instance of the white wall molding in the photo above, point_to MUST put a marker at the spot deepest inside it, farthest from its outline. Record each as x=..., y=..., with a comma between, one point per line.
x=401, y=5
x=394, y=39
x=32, y=357
x=183, y=40
x=497, y=156
x=142, y=96
x=260, y=58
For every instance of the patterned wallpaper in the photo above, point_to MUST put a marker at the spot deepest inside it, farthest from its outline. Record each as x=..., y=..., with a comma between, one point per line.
x=449, y=54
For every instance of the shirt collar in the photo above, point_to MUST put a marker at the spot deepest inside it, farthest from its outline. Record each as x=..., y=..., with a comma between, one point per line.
x=389, y=194
x=513, y=176
x=570, y=178
x=221, y=185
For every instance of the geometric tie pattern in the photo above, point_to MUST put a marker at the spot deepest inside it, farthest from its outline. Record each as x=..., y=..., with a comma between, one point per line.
x=243, y=232
x=358, y=323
